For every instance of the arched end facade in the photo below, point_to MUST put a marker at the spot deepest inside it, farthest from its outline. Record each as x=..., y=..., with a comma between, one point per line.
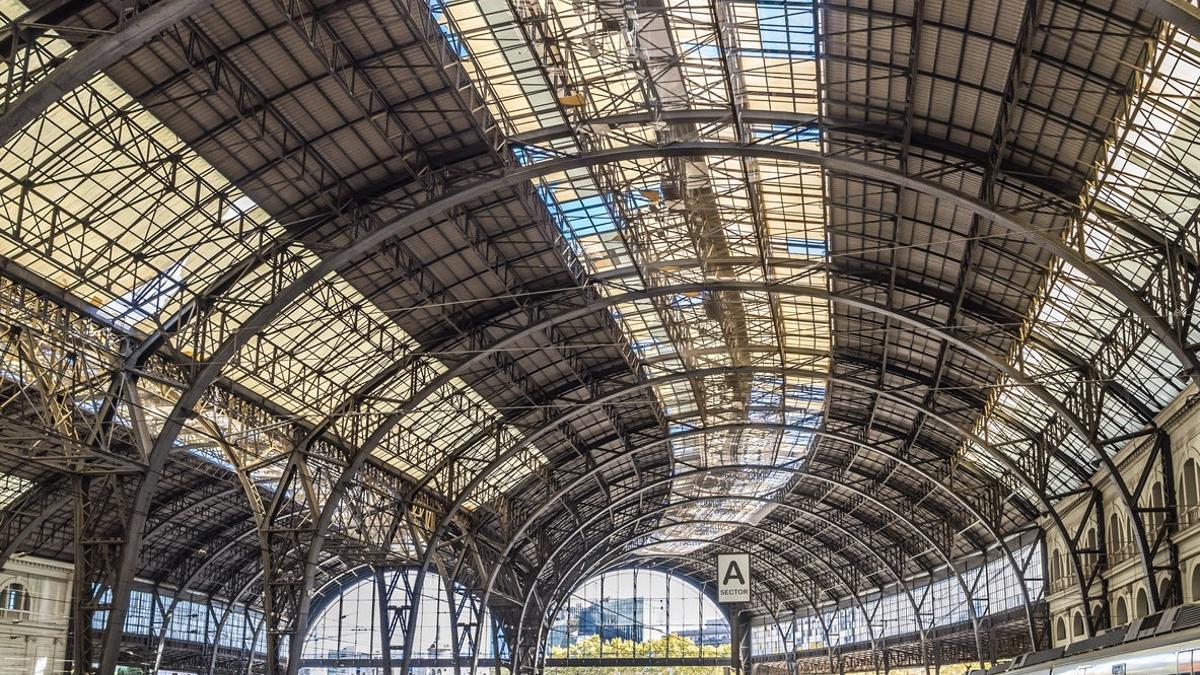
x=643, y=613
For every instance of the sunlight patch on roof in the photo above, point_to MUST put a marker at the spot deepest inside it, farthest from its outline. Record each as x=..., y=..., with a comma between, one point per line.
x=11, y=489
x=148, y=300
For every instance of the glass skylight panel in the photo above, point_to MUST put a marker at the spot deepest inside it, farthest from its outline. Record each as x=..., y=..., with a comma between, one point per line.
x=730, y=215
x=453, y=419
x=776, y=50
x=321, y=348
x=103, y=200
x=11, y=489
x=703, y=341
x=116, y=209
x=146, y=301
x=1146, y=184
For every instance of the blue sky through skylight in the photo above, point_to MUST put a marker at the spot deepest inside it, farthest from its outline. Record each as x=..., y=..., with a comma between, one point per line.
x=452, y=38
x=808, y=247
x=786, y=29
x=590, y=215
x=795, y=133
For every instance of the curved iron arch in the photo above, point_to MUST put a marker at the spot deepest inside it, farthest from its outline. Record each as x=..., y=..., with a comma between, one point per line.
x=1016, y=375
x=617, y=553
x=207, y=372
x=1047, y=506
x=937, y=504
x=947, y=559
x=566, y=489
x=982, y=353
x=950, y=566
x=896, y=574
x=841, y=580
x=520, y=533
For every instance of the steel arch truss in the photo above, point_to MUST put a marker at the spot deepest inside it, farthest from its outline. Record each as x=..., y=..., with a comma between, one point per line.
x=366, y=487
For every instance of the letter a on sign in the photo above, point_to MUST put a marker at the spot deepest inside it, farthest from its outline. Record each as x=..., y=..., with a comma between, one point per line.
x=733, y=577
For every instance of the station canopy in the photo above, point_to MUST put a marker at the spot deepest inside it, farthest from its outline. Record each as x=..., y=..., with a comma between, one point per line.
x=819, y=279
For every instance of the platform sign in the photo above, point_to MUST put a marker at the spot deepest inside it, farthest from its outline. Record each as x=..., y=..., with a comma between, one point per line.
x=733, y=577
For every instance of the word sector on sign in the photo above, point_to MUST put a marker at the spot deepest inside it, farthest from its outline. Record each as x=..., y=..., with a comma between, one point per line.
x=733, y=577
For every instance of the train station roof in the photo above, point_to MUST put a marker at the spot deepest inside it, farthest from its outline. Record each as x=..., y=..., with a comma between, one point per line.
x=610, y=282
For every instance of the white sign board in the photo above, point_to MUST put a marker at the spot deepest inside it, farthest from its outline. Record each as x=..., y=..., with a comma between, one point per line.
x=733, y=577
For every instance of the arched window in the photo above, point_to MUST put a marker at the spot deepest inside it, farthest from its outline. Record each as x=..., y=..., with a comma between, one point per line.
x=1077, y=627
x=1142, y=607
x=1190, y=492
x=1195, y=583
x=1156, y=502
x=1191, y=486
x=1164, y=592
x=14, y=599
x=1122, y=617
x=645, y=613
x=1056, y=567
x=1060, y=631
x=1114, y=536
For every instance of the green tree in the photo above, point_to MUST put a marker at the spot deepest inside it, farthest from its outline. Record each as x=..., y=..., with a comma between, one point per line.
x=667, y=646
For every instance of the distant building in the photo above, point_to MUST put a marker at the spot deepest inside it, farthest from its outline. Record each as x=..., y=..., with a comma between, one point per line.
x=35, y=600
x=350, y=656
x=714, y=633
x=619, y=618
x=614, y=618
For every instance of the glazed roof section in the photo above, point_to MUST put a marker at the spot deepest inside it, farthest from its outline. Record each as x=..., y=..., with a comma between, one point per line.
x=105, y=201
x=926, y=96
x=1139, y=199
x=109, y=198
x=749, y=356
